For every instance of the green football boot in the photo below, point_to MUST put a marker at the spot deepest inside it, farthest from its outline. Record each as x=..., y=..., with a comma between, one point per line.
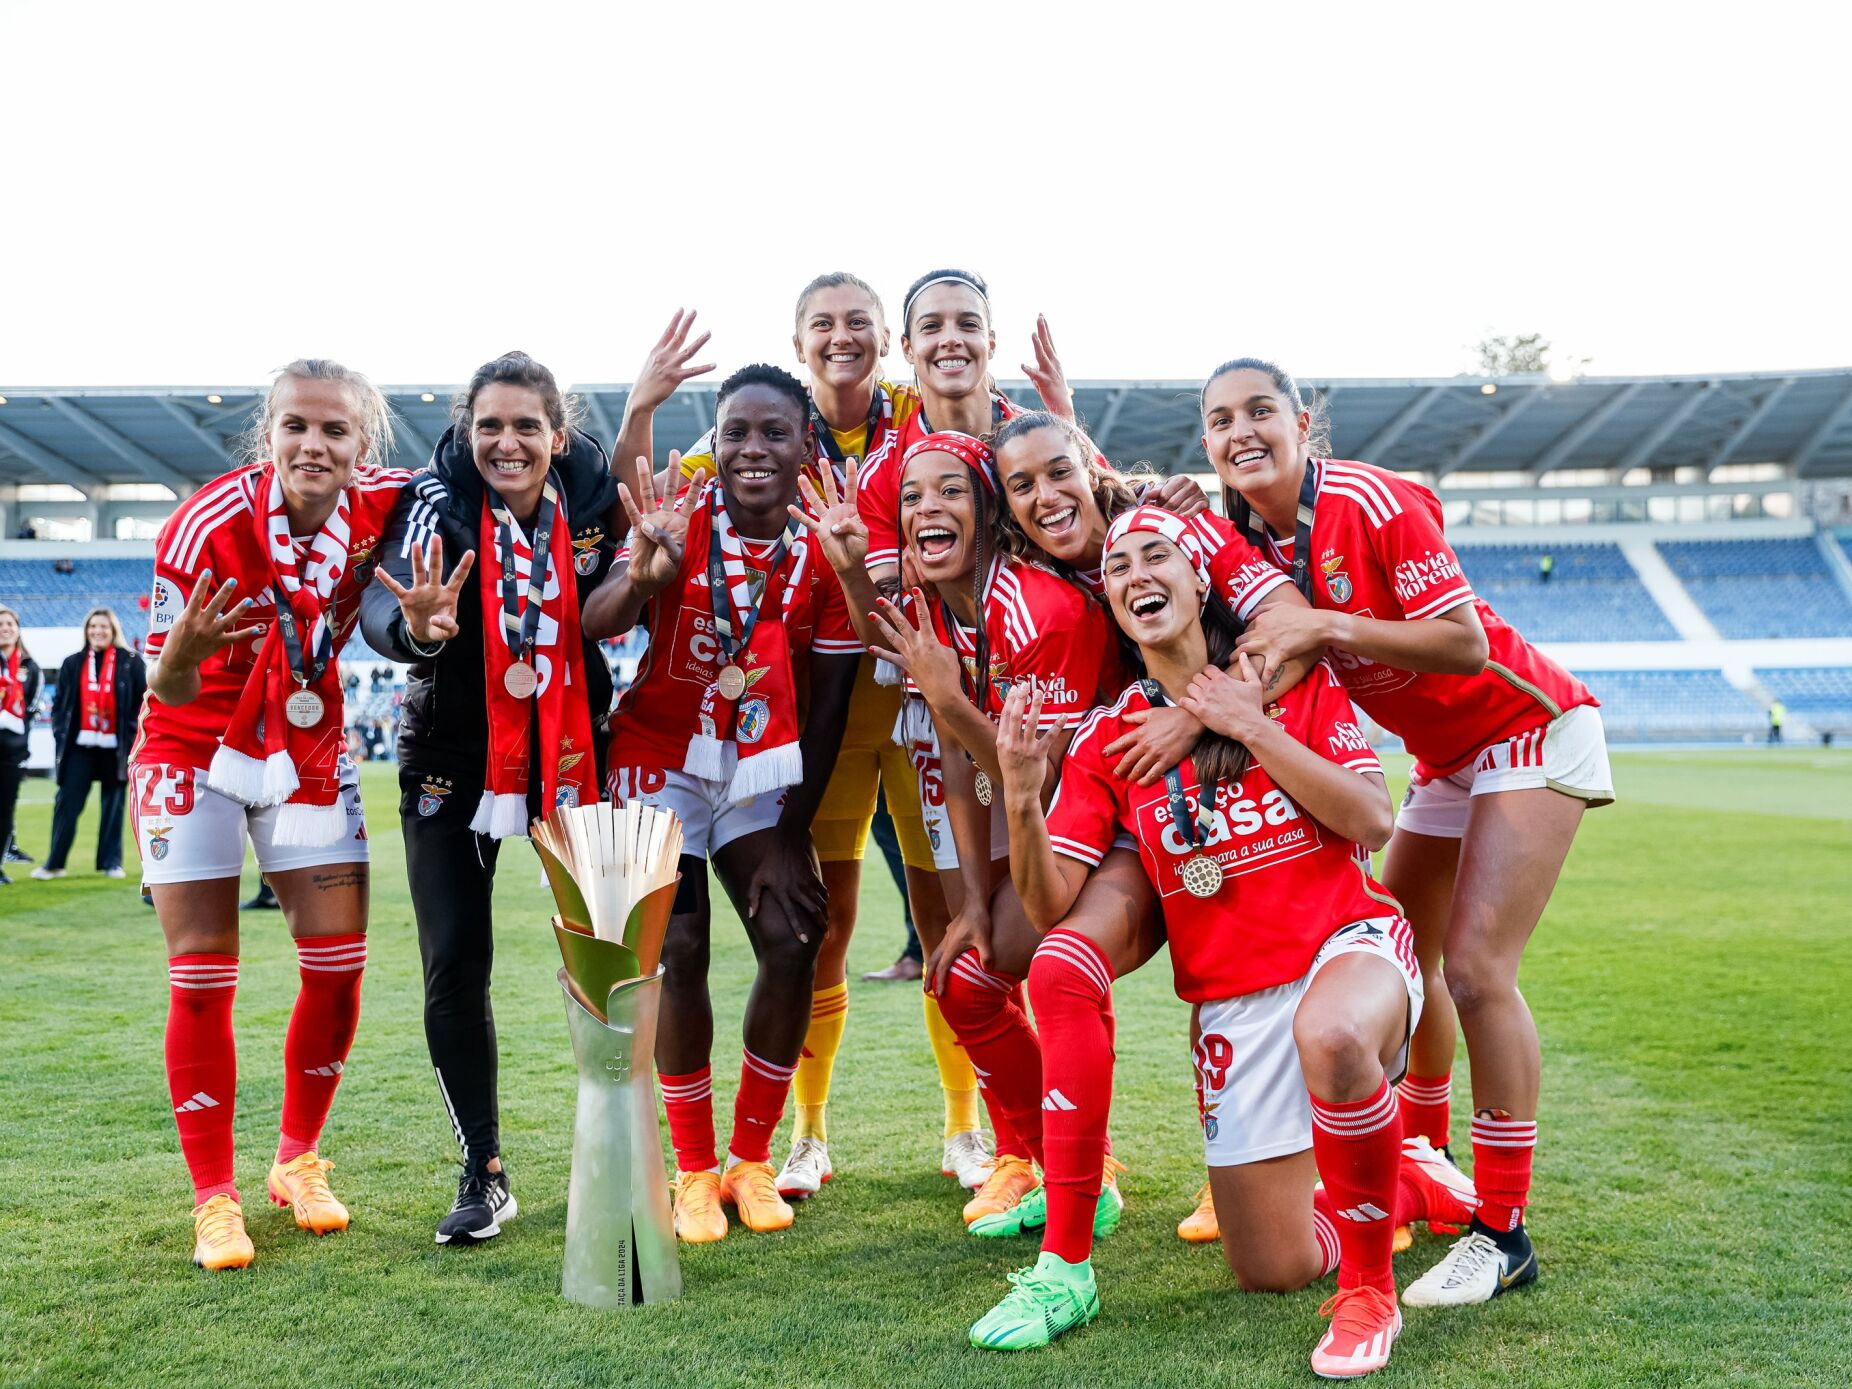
x=1043, y=1302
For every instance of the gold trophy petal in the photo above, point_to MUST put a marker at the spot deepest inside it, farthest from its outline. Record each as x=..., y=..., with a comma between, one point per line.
x=613, y=871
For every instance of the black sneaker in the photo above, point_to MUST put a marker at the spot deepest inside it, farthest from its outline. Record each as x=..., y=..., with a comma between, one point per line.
x=15, y=854
x=265, y=901
x=483, y=1203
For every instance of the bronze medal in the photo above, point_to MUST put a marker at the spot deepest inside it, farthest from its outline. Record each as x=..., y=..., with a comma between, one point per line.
x=985, y=791
x=519, y=680
x=731, y=682
x=1202, y=875
x=304, y=709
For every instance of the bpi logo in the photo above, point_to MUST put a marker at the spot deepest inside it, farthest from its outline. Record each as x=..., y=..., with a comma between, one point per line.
x=165, y=604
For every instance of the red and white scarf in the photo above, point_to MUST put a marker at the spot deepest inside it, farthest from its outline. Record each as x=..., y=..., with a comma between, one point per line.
x=262, y=758
x=751, y=743
x=96, y=710
x=569, y=771
x=12, y=694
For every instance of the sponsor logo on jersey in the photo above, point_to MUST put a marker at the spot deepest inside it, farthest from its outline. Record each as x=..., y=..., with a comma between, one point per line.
x=755, y=717
x=432, y=799
x=165, y=604
x=1347, y=737
x=1414, y=577
x=1337, y=582
x=157, y=842
x=1247, y=832
x=585, y=552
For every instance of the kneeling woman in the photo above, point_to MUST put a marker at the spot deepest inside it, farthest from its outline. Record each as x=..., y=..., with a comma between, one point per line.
x=731, y=588
x=257, y=580
x=1300, y=968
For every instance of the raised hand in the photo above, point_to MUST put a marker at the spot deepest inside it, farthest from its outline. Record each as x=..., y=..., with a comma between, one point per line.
x=1279, y=632
x=1022, y=747
x=667, y=367
x=1232, y=705
x=1045, y=373
x=430, y=603
x=1180, y=495
x=206, y=625
x=917, y=650
x=658, y=532
x=833, y=518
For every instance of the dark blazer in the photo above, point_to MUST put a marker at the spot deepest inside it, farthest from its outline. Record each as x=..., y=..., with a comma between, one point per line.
x=13, y=746
x=131, y=685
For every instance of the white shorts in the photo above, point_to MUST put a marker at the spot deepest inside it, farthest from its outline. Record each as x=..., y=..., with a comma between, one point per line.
x=188, y=833
x=924, y=754
x=711, y=819
x=1254, y=1099
x=1568, y=754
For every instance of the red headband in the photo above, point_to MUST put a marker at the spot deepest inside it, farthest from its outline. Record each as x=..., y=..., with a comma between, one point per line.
x=1167, y=524
x=975, y=454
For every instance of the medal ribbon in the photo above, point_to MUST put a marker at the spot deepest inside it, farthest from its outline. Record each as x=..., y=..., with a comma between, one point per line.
x=1249, y=520
x=727, y=584
x=520, y=625
x=880, y=412
x=1194, y=828
x=306, y=666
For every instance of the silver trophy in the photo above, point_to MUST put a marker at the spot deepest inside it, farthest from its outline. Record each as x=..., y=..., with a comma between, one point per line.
x=613, y=874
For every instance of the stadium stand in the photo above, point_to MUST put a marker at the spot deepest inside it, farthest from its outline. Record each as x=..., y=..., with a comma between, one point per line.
x=1643, y=706
x=1761, y=588
x=47, y=598
x=1592, y=593
x=1821, y=695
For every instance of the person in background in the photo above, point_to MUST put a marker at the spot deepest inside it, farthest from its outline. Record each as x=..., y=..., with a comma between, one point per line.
x=1546, y=566
x=20, y=680
x=1777, y=712
x=93, y=718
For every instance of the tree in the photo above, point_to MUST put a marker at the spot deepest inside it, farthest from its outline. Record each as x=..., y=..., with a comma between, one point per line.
x=1523, y=354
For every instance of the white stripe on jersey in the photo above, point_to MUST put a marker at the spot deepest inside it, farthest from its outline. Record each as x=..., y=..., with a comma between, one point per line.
x=1368, y=488
x=201, y=514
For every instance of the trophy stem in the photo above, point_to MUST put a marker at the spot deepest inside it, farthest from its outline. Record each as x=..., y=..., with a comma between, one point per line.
x=620, y=1237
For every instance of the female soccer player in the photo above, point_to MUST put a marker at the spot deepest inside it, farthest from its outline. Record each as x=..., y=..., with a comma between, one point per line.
x=1300, y=969
x=716, y=727
x=20, y=681
x=257, y=579
x=1509, y=752
x=93, y=718
x=504, y=714
x=841, y=337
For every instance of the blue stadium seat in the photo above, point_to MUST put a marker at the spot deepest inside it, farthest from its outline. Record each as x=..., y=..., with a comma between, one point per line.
x=1695, y=706
x=1822, y=695
x=1761, y=588
x=46, y=598
x=1593, y=594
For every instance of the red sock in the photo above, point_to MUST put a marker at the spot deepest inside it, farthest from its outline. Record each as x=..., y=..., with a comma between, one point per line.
x=758, y=1107
x=981, y=1008
x=689, y=1100
x=1325, y=1231
x=202, y=1067
x=1427, y=1106
x=1502, y=1148
x=1070, y=984
x=321, y=1032
x=1358, y=1148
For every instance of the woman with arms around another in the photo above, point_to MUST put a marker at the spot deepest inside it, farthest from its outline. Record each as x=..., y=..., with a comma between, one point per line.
x=505, y=710
x=744, y=617
x=257, y=580
x=1299, y=968
x=1509, y=752
x=93, y=720
x=20, y=681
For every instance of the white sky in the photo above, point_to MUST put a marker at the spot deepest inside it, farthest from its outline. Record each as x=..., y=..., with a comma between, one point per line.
x=194, y=193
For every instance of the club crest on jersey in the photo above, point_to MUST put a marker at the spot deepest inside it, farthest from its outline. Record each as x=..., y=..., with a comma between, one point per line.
x=755, y=717
x=1000, y=681
x=585, y=552
x=1337, y=582
x=157, y=842
x=566, y=796
x=569, y=761
x=432, y=799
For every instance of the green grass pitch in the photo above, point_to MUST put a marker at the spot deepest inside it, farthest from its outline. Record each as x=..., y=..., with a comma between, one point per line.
x=1694, y=1184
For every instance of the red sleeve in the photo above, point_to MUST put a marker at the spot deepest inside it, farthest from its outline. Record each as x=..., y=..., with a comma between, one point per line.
x=1241, y=573
x=1083, y=819
x=832, y=634
x=877, y=497
x=1330, y=725
x=1412, y=550
x=181, y=555
x=1068, y=653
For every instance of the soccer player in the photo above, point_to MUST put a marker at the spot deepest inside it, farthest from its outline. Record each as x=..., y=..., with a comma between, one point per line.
x=1509, y=752
x=20, y=681
x=841, y=337
x=504, y=714
x=1300, y=970
x=715, y=727
x=257, y=580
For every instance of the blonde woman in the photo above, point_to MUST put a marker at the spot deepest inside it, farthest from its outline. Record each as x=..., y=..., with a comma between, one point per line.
x=93, y=722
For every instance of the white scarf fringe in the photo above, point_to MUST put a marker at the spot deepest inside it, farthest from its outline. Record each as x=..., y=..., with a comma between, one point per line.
x=251, y=782
x=709, y=758
x=500, y=817
x=886, y=672
x=770, y=770
x=310, y=826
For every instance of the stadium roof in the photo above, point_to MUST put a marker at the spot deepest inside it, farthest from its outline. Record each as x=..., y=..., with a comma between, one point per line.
x=1525, y=424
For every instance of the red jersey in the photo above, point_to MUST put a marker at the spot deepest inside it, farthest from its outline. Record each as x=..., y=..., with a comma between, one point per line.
x=1239, y=570
x=218, y=528
x=661, y=710
x=877, y=485
x=1040, y=627
x=1378, y=550
x=1290, y=882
